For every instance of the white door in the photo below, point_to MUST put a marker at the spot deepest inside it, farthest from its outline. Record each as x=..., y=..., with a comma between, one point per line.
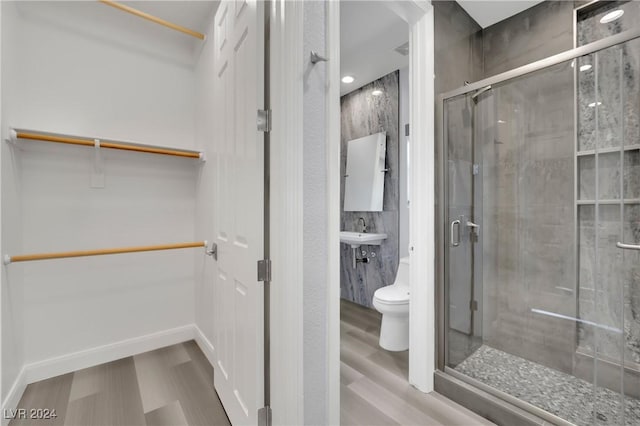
x=239, y=90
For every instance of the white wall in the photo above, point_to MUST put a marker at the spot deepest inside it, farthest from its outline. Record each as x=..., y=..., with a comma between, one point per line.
x=315, y=231
x=71, y=74
x=403, y=245
x=12, y=292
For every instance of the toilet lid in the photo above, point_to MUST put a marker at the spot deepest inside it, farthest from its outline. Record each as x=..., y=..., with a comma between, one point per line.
x=392, y=294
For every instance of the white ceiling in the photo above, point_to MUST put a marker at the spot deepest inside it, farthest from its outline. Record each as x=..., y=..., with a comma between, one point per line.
x=369, y=33
x=489, y=12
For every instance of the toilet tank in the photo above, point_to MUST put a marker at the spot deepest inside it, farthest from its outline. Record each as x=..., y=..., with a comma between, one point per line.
x=402, y=277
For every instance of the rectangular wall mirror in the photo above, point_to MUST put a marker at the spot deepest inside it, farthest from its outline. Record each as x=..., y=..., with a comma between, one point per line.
x=364, y=181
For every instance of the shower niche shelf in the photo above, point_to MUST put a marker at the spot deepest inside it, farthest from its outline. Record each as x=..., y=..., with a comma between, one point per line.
x=609, y=176
x=609, y=202
x=607, y=150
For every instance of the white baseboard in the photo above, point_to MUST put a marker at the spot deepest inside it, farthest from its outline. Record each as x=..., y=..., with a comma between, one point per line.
x=75, y=361
x=205, y=345
x=13, y=397
x=99, y=355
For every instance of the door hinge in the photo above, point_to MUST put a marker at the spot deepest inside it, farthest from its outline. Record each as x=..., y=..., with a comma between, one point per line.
x=264, y=270
x=474, y=305
x=264, y=120
x=476, y=169
x=264, y=416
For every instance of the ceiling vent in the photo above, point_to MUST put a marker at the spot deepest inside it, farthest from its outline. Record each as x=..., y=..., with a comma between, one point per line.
x=403, y=49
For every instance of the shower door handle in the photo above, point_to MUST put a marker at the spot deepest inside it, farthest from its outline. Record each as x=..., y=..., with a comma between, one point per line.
x=455, y=242
x=627, y=246
x=474, y=228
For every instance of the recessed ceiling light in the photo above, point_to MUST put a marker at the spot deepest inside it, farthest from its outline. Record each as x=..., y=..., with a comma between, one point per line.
x=377, y=92
x=347, y=79
x=585, y=67
x=593, y=104
x=611, y=16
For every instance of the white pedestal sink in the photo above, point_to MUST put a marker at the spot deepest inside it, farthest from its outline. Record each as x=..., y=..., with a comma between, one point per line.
x=356, y=239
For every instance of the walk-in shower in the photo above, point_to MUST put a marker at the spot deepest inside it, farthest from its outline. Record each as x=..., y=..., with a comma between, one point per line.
x=540, y=226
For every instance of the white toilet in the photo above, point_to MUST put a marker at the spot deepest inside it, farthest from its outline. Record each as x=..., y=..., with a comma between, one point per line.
x=392, y=302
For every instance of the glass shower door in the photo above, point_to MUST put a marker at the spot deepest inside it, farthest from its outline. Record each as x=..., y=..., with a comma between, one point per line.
x=542, y=181
x=464, y=259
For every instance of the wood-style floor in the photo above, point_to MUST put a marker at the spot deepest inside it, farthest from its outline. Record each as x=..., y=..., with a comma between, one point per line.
x=166, y=387
x=174, y=386
x=374, y=389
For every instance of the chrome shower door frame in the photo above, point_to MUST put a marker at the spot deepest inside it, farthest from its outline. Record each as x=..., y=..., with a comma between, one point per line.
x=476, y=396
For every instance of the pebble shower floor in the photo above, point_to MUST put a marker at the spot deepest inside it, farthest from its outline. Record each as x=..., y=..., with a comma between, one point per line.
x=558, y=393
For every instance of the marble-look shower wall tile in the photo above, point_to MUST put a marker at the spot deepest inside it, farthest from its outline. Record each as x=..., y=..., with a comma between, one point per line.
x=614, y=96
x=631, y=277
x=609, y=117
x=632, y=174
x=586, y=107
x=609, y=176
x=364, y=114
x=589, y=28
x=587, y=177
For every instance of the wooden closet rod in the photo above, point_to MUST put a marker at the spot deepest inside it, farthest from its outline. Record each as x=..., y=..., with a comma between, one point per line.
x=19, y=134
x=152, y=18
x=83, y=253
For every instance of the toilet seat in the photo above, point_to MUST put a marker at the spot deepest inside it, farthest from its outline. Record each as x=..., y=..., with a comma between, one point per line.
x=392, y=295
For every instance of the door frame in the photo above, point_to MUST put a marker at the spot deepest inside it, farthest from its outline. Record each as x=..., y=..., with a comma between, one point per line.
x=286, y=211
x=419, y=15
x=288, y=64
x=422, y=225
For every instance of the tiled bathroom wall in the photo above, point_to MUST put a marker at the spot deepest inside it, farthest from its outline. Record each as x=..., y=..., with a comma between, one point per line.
x=526, y=129
x=543, y=250
x=608, y=157
x=364, y=114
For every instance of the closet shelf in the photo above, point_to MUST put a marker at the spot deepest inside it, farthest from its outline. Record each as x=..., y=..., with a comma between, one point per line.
x=607, y=150
x=100, y=252
x=17, y=134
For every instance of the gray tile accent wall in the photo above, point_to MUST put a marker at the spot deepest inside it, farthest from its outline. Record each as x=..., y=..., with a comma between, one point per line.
x=458, y=59
x=527, y=237
x=363, y=114
x=527, y=138
x=536, y=33
x=529, y=232
x=529, y=228
x=458, y=47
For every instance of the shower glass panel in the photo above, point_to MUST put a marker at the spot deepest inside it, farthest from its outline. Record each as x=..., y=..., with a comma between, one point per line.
x=542, y=181
x=464, y=325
